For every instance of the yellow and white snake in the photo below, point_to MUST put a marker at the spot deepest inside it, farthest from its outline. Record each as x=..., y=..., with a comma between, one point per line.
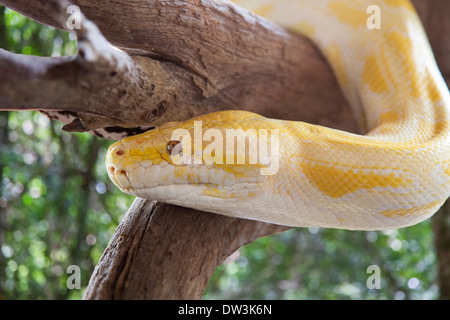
x=395, y=175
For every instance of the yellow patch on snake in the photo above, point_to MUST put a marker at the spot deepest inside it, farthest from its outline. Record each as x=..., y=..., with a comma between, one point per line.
x=400, y=42
x=184, y=175
x=150, y=154
x=219, y=193
x=337, y=182
x=434, y=94
x=305, y=28
x=447, y=171
x=405, y=48
x=223, y=194
x=334, y=54
x=390, y=116
x=400, y=3
x=264, y=11
x=411, y=211
x=388, y=121
x=348, y=13
x=138, y=152
x=373, y=76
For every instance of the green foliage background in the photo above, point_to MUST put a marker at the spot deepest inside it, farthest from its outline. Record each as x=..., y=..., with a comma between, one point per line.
x=58, y=208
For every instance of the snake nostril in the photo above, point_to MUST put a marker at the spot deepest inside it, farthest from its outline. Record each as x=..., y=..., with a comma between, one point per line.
x=123, y=172
x=119, y=152
x=112, y=169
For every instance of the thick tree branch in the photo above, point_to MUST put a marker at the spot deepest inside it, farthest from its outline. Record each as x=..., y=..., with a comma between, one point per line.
x=101, y=84
x=202, y=56
x=149, y=258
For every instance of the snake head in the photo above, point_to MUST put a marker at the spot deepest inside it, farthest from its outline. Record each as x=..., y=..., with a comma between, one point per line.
x=184, y=164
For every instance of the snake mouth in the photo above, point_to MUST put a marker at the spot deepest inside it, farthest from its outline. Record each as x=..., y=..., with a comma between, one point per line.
x=152, y=176
x=135, y=176
x=117, y=173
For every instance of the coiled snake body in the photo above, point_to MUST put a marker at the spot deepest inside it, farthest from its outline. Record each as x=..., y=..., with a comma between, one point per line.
x=395, y=175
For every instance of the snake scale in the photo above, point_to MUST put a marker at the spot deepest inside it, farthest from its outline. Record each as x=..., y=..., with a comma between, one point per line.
x=395, y=175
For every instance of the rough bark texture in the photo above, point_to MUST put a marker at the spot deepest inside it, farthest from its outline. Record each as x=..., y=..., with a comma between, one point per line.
x=157, y=252
x=180, y=59
x=196, y=57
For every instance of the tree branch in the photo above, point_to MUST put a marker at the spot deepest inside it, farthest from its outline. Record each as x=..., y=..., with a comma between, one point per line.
x=100, y=81
x=192, y=58
x=167, y=252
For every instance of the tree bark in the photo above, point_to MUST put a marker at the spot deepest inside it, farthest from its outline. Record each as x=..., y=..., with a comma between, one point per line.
x=168, y=252
x=188, y=58
x=179, y=59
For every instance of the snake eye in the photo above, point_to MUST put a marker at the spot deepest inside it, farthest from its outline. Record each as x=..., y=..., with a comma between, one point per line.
x=174, y=147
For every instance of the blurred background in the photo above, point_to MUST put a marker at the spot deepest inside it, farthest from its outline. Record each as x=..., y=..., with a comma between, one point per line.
x=58, y=208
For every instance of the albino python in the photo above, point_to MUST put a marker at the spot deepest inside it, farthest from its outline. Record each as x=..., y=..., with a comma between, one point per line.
x=395, y=175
